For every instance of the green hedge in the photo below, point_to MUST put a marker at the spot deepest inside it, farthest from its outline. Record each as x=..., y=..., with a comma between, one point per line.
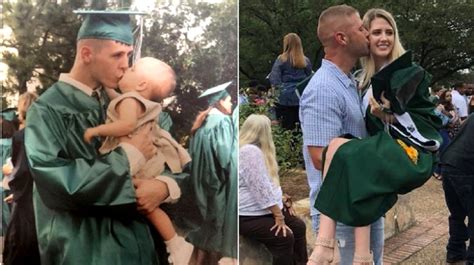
x=288, y=143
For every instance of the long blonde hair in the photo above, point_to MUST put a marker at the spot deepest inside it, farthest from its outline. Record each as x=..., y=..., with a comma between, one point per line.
x=368, y=63
x=257, y=130
x=24, y=102
x=293, y=51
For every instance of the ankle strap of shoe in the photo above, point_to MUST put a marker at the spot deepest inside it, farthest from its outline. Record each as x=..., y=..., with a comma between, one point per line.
x=325, y=242
x=364, y=258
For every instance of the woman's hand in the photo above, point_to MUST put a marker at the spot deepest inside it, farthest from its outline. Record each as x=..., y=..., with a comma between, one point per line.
x=280, y=225
x=440, y=108
x=380, y=111
x=288, y=205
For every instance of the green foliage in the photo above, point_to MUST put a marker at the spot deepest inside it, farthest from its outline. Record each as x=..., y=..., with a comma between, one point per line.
x=262, y=26
x=440, y=33
x=288, y=143
x=45, y=38
x=199, y=63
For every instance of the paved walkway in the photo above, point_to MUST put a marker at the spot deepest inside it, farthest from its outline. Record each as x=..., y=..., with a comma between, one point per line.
x=425, y=242
x=399, y=248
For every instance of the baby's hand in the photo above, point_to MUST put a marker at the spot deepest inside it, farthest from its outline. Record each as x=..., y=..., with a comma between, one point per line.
x=90, y=134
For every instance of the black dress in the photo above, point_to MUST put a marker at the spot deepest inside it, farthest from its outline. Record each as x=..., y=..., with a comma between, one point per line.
x=21, y=244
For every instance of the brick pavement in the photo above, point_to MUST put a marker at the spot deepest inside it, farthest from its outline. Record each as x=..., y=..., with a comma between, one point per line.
x=414, y=239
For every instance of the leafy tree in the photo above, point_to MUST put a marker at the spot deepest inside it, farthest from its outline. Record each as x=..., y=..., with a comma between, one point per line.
x=199, y=63
x=39, y=41
x=288, y=143
x=262, y=26
x=45, y=49
x=440, y=33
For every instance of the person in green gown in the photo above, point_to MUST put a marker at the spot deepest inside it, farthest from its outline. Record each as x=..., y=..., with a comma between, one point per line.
x=8, y=129
x=86, y=205
x=21, y=245
x=362, y=177
x=214, y=180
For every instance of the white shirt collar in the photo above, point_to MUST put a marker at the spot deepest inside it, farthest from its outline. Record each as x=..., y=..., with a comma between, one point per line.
x=66, y=78
x=216, y=111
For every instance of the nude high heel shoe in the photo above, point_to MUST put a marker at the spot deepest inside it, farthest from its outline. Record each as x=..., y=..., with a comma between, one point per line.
x=325, y=252
x=363, y=259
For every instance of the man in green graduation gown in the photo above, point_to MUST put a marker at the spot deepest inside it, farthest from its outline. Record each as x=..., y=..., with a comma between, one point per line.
x=86, y=203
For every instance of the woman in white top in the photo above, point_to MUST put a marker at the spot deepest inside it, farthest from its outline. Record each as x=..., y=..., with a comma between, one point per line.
x=262, y=216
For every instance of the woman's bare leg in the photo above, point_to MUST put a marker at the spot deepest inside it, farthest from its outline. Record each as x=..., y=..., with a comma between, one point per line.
x=362, y=255
x=327, y=226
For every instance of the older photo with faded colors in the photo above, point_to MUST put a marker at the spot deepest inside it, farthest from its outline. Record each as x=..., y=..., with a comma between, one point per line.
x=119, y=132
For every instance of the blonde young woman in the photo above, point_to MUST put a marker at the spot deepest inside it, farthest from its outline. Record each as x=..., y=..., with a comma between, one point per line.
x=368, y=189
x=24, y=102
x=262, y=216
x=289, y=68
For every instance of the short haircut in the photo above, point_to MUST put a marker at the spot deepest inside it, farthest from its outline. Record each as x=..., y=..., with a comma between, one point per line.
x=331, y=15
x=458, y=85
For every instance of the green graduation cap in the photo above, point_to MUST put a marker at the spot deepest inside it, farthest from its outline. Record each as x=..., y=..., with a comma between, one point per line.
x=216, y=93
x=107, y=25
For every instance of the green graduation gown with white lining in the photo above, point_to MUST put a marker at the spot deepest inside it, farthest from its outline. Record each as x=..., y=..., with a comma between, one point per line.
x=366, y=175
x=215, y=185
x=85, y=206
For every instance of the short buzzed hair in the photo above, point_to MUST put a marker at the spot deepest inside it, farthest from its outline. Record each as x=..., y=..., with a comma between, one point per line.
x=330, y=16
x=458, y=85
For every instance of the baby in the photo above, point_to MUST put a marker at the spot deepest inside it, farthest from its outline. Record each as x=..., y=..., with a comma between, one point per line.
x=143, y=86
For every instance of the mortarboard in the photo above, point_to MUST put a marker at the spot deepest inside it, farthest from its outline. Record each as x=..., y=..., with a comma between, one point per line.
x=107, y=25
x=216, y=93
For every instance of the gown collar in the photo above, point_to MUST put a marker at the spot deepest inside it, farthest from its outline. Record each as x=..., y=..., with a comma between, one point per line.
x=66, y=78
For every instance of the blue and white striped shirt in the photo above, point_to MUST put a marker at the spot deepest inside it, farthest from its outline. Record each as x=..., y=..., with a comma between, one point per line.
x=329, y=107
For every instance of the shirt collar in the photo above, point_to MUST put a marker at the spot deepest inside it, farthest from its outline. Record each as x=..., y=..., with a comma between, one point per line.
x=66, y=78
x=216, y=111
x=347, y=80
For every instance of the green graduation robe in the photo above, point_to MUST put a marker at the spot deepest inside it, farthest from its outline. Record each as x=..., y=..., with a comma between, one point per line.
x=165, y=122
x=214, y=180
x=366, y=175
x=230, y=220
x=6, y=146
x=84, y=203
